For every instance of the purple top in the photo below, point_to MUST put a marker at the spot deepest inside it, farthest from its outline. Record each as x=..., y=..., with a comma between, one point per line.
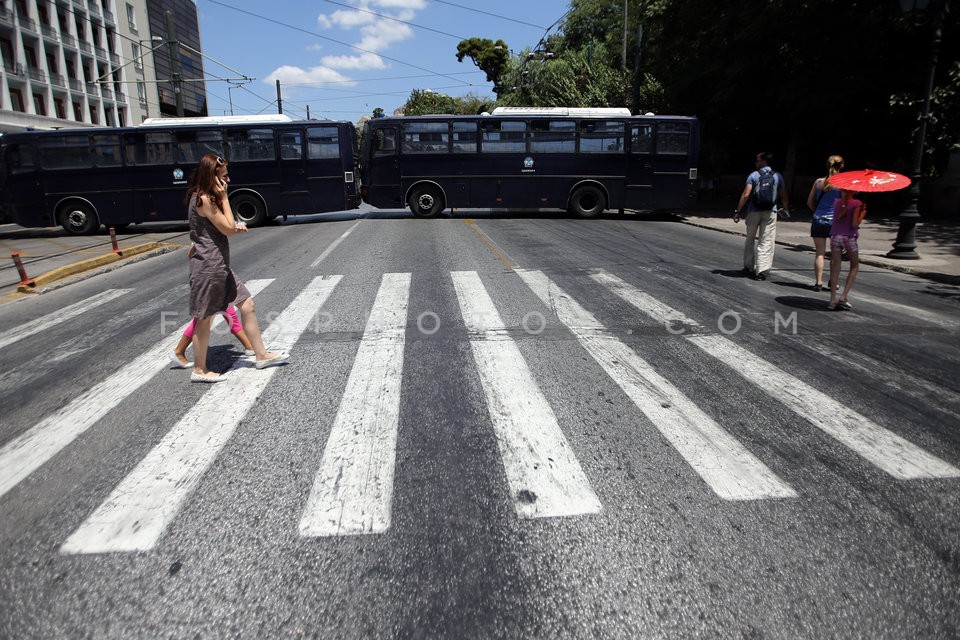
x=843, y=218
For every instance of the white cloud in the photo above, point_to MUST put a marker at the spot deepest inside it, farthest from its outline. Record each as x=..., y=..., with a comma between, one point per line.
x=292, y=75
x=360, y=62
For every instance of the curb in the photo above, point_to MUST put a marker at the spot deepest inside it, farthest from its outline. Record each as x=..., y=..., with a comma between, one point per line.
x=942, y=278
x=42, y=282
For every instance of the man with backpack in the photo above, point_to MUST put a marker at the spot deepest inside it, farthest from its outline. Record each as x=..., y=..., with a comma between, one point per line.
x=765, y=187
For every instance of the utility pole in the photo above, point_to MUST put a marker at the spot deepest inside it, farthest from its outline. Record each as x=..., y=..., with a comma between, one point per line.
x=624, y=61
x=279, y=101
x=636, y=71
x=175, y=76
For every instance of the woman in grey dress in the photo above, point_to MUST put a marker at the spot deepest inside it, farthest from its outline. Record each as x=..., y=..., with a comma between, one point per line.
x=213, y=284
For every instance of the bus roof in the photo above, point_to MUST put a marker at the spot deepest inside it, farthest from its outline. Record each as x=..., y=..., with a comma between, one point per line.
x=269, y=118
x=599, y=112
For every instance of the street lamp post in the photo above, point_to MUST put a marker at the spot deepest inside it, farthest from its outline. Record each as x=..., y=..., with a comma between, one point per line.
x=904, y=247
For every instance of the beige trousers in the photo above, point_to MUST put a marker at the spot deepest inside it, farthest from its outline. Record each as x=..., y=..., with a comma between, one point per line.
x=758, y=250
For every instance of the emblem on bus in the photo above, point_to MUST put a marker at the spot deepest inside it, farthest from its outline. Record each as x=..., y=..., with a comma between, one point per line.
x=528, y=163
x=178, y=174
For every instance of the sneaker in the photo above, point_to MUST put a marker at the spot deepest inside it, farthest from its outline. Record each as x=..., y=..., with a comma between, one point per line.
x=179, y=365
x=831, y=307
x=843, y=304
x=270, y=362
x=199, y=377
x=249, y=352
x=818, y=287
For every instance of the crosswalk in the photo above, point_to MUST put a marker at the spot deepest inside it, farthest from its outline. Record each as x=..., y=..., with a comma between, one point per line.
x=353, y=488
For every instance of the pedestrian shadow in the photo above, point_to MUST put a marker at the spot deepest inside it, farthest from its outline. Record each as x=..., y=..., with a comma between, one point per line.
x=731, y=273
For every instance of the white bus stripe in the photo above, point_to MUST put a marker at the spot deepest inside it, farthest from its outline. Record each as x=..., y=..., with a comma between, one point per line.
x=61, y=315
x=724, y=464
x=334, y=245
x=24, y=454
x=883, y=448
x=353, y=489
x=138, y=511
x=545, y=478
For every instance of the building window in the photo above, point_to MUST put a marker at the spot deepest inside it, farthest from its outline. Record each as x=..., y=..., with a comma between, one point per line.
x=77, y=112
x=16, y=100
x=39, y=106
x=137, y=56
x=93, y=115
x=110, y=120
x=59, y=108
x=131, y=17
x=142, y=92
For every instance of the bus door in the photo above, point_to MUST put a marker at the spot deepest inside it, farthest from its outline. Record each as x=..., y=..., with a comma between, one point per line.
x=329, y=161
x=381, y=177
x=294, y=187
x=671, y=162
x=639, y=188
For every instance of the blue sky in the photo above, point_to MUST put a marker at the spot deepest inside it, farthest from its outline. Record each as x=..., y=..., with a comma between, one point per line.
x=344, y=58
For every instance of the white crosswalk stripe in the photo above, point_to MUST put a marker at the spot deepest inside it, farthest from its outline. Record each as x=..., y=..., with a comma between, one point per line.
x=353, y=490
x=141, y=507
x=885, y=449
x=544, y=475
x=724, y=464
x=61, y=315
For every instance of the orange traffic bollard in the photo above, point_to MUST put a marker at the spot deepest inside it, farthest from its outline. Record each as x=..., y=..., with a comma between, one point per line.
x=113, y=239
x=24, y=280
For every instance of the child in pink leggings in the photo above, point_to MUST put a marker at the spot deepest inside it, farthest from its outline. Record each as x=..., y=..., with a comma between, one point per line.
x=179, y=355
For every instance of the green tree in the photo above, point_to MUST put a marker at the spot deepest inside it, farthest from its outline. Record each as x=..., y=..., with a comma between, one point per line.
x=491, y=57
x=378, y=112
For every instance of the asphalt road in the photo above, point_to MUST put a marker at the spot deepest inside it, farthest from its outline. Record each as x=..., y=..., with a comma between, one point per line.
x=491, y=426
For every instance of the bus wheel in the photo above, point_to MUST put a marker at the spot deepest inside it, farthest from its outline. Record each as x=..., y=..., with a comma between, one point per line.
x=426, y=201
x=587, y=202
x=248, y=208
x=78, y=219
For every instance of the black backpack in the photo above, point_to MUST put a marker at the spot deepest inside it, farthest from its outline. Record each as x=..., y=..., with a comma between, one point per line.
x=765, y=192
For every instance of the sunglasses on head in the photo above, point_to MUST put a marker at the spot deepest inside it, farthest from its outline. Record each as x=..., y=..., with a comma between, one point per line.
x=220, y=161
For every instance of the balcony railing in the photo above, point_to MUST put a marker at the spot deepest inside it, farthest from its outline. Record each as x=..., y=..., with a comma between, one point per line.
x=36, y=74
x=75, y=84
x=67, y=40
x=28, y=24
x=92, y=88
x=6, y=16
x=57, y=79
x=49, y=32
x=86, y=47
x=108, y=18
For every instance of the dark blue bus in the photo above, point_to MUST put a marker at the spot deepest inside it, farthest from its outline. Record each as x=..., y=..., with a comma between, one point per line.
x=84, y=178
x=583, y=161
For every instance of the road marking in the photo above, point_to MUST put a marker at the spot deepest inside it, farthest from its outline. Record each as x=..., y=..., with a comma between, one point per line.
x=61, y=315
x=545, y=478
x=727, y=467
x=497, y=251
x=27, y=452
x=334, y=244
x=353, y=489
x=888, y=451
x=138, y=511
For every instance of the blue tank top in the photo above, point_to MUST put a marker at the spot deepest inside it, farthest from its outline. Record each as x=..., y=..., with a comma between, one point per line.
x=826, y=200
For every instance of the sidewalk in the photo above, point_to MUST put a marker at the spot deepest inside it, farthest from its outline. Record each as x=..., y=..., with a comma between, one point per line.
x=938, y=241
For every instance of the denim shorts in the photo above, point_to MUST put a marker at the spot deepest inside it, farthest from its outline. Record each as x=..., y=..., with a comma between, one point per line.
x=820, y=229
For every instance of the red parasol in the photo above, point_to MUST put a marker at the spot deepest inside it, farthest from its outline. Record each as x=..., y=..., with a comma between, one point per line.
x=869, y=180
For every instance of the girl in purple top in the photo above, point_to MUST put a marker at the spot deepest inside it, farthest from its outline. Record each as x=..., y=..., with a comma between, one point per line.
x=848, y=213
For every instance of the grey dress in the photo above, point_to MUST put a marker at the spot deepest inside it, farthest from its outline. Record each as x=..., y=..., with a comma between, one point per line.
x=213, y=284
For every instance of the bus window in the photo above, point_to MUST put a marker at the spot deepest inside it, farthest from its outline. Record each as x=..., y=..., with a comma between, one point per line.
x=641, y=138
x=291, y=145
x=323, y=142
x=553, y=136
x=251, y=144
x=504, y=136
x=386, y=142
x=68, y=151
x=673, y=138
x=20, y=158
x=426, y=137
x=464, y=137
x=193, y=145
x=601, y=136
x=106, y=150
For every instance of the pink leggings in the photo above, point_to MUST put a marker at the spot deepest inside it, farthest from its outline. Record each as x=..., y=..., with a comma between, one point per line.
x=230, y=315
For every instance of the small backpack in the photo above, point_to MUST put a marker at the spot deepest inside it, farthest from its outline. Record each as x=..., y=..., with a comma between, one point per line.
x=765, y=192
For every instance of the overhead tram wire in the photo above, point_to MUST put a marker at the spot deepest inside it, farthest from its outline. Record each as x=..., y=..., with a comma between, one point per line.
x=322, y=37
x=486, y=13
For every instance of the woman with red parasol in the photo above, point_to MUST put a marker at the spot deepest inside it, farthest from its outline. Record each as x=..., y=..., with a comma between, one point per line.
x=848, y=213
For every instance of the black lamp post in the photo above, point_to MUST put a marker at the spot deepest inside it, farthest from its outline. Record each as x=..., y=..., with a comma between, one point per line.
x=906, y=243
